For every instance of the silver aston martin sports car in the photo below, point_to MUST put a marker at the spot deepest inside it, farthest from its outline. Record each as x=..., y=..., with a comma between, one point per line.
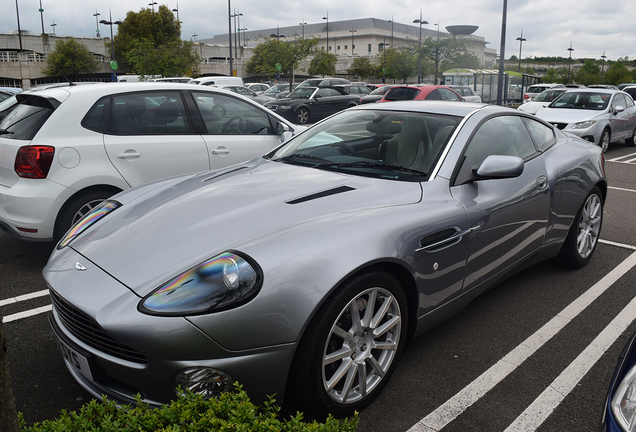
x=305, y=272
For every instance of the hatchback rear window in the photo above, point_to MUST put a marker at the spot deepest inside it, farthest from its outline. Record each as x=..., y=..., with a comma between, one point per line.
x=26, y=119
x=401, y=93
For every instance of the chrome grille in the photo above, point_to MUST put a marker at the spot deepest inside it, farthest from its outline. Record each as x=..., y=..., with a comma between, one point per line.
x=88, y=331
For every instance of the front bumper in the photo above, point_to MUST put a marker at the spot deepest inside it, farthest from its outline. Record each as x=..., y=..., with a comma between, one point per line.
x=131, y=353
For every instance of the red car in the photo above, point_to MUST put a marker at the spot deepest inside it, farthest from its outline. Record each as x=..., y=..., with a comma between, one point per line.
x=430, y=92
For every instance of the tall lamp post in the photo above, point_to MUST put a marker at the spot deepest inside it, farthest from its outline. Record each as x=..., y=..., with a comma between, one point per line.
x=54, y=25
x=325, y=18
x=570, y=61
x=303, y=24
x=153, y=5
x=235, y=15
x=17, y=14
x=96, y=14
x=603, y=65
x=194, y=36
x=391, y=21
x=229, y=24
x=352, y=32
x=41, y=10
x=502, y=55
x=521, y=40
x=419, y=51
x=112, y=40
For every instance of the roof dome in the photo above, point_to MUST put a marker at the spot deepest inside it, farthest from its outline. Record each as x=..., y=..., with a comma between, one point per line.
x=462, y=29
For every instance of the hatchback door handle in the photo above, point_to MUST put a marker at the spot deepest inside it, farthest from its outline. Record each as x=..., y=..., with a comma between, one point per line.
x=128, y=154
x=220, y=151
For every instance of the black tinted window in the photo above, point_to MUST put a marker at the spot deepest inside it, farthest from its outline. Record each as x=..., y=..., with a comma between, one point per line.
x=26, y=119
x=401, y=93
x=151, y=113
x=96, y=117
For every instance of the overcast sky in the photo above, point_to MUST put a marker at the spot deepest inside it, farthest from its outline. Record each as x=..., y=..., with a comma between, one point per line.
x=593, y=27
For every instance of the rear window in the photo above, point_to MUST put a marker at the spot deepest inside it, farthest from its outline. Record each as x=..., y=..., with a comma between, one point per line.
x=401, y=93
x=26, y=119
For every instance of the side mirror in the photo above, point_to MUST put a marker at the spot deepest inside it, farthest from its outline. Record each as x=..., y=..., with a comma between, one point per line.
x=619, y=109
x=499, y=166
x=284, y=132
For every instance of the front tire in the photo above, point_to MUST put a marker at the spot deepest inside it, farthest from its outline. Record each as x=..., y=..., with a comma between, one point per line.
x=302, y=115
x=631, y=141
x=584, y=233
x=605, y=140
x=352, y=346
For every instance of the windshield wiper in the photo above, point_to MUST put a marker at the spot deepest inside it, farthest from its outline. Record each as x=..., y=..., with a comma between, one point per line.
x=369, y=164
x=296, y=156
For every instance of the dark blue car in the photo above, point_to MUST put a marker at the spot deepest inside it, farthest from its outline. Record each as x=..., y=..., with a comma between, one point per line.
x=620, y=406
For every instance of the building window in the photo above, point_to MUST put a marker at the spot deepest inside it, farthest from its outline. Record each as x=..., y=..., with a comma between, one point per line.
x=329, y=48
x=346, y=46
x=338, y=46
x=369, y=47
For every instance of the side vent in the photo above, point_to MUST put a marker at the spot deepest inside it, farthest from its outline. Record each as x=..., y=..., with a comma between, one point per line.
x=322, y=194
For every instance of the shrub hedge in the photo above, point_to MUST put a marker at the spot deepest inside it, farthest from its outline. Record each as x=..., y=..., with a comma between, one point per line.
x=189, y=413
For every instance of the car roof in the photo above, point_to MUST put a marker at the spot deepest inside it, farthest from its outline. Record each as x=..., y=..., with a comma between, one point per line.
x=451, y=108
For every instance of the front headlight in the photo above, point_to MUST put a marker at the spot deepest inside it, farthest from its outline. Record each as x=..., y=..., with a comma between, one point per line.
x=624, y=402
x=583, y=125
x=285, y=107
x=222, y=282
x=98, y=212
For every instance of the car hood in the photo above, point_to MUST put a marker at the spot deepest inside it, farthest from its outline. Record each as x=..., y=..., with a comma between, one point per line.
x=160, y=232
x=566, y=115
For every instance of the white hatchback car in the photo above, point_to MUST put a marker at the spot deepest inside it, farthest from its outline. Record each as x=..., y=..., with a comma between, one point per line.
x=65, y=149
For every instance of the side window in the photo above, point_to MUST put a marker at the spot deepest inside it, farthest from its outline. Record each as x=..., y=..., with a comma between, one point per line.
x=619, y=100
x=543, y=135
x=448, y=95
x=434, y=95
x=151, y=113
x=628, y=101
x=324, y=92
x=224, y=115
x=503, y=135
x=95, y=118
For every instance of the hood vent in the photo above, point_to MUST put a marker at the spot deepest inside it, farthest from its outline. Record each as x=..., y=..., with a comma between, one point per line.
x=322, y=194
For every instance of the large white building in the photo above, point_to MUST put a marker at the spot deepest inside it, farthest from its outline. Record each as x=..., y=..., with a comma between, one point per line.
x=23, y=59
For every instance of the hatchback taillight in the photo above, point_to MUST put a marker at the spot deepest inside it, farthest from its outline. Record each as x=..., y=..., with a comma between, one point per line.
x=34, y=161
x=526, y=96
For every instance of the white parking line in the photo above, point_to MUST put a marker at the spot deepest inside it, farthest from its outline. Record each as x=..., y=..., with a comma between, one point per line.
x=25, y=314
x=553, y=395
x=621, y=159
x=470, y=394
x=621, y=189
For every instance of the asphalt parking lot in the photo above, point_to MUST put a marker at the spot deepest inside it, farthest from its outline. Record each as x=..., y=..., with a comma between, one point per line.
x=536, y=352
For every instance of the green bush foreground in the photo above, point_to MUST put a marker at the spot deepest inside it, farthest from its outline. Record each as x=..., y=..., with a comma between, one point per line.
x=191, y=413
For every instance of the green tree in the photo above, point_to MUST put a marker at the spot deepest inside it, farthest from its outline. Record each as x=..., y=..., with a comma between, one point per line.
x=159, y=30
x=8, y=413
x=175, y=58
x=70, y=57
x=448, y=53
x=399, y=63
x=590, y=73
x=323, y=63
x=361, y=67
x=288, y=53
x=617, y=74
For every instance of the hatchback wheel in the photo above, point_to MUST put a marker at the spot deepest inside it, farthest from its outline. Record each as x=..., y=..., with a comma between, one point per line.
x=352, y=347
x=605, y=140
x=584, y=232
x=631, y=141
x=302, y=115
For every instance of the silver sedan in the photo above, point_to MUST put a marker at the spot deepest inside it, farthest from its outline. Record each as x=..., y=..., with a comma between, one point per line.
x=597, y=115
x=305, y=272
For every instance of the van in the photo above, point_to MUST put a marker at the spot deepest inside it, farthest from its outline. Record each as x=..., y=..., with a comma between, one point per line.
x=218, y=81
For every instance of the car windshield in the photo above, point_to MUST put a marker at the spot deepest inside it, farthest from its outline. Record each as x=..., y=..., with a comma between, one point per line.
x=277, y=88
x=310, y=83
x=401, y=93
x=582, y=100
x=302, y=93
x=391, y=145
x=380, y=90
x=536, y=89
x=548, y=95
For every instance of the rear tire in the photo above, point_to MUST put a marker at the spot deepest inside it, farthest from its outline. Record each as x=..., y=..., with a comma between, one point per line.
x=631, y=141
x=585, y=231
x=351, y=347
x=605, y=140
x=77, y=208
x=302, y=115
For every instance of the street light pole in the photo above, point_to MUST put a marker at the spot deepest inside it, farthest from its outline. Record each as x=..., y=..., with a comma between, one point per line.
x=391, y=31
x=569, y=61
x=229, y=24
x=96, y=14
x=17, y=13
x=325, y=18
x=502, y=54
x=303, y=24
x=352, y=32
x=53, y=25
x=603, y=65
x=521, y=40
x=112, y=40
x=419, y=50
x=153, y=6
x=42, y=16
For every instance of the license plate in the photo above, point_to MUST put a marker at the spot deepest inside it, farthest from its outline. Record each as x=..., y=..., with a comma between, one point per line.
x=75, y=359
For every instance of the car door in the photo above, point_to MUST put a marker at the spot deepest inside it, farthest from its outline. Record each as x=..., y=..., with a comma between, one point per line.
x=235, y=130
x=509, y=216
x=621, y=123
x=150, y=137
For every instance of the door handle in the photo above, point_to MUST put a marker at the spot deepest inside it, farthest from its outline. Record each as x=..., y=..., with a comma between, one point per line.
x=542, y=183
x=454, y=237
x=220, y=151
x=129, y=154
